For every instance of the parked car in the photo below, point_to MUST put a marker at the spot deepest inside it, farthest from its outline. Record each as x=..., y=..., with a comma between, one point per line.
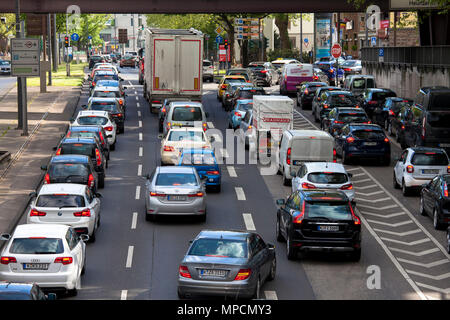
x=317, y=109
x=293, y=75
x=318, y=220
x=208, y=71
x=352, y=67
x=372, y=102
x=306, y=92
x=175, y=190
x=5, y=67
x=98, y=118
x=185, y=114
x=52, y=256
x=417, y=166
x=434, y=201
x=363, y=141
x=112, y=106
x=23, y=291
x=226, y=263
x=340, y=116
x=238, y=113
x=265, y=74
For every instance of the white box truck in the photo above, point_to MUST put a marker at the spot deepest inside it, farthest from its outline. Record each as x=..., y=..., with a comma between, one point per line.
x=173, y=65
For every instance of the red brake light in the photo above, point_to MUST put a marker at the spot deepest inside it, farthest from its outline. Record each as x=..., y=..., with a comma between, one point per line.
x=223, y=87
x=339, y=122
x=154, y=194
x=84, y=213
x=325, y=106
x=355, y=218
x=169, y=148
x=334, y=155
x=98, y=157
x=237, y=114
x=347, y=69
x=8, y=260
x=58, y=152
x=243, y=274
x=196, y=195
x=91, y=180
x=121, y=102
x=350, y=139
x=205, y=126
x=372, y=102
x=391, y=113
x=35, y=213
x=47, y=178
x=213, y=172
x=288, y=156
x=299, y=218
x=64, y=260
x=306, y=91
x=448, y=169
x=386, y=140
x=264, y=71
x=306, y=185
x=347, y=187
x=101, y=136
x=410, y=169
x=184, y=272
x=445, y=190
x=163, y=110
x=110, y=128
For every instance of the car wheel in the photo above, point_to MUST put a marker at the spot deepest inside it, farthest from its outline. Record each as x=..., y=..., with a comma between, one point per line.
x=394, y=182
x=356, y=255
x=273, y=270
x=344, y=157
x=405, y=189
x=202, y=218
x=291, y=253
x=72, y=292
x=83, y=271
x=101, y=183
x=286, y=181
x=280, y=237
x=436, y=224
x=218, y=188
x=181, y=295
x=92, y=237
x=421, y=207
x=113, y=146
x=257, y=289
x=386, y=124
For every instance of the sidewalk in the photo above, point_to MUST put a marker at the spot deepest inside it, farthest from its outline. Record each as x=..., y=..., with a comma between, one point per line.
x=48, y=115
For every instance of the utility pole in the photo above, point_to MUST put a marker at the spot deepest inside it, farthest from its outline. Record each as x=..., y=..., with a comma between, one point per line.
x=67, y=51
x=22, y=122
x=49, y=33
x=301, y=37
x=54, y=45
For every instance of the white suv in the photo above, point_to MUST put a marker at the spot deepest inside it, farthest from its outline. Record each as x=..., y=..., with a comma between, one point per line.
x=418, y=166
x=323, y=175
x=208, y=71
x=98, y=118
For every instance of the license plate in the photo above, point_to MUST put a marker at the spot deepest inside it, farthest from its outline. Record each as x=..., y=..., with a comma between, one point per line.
x=35, y=266
x=328, y=228
x=213, y=273
x=444, y=145
x=211, y=180
x=430, y=171
x=176, y=198
x=370, y=143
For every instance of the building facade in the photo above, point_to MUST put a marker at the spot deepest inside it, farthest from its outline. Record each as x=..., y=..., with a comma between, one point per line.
x=133, y=23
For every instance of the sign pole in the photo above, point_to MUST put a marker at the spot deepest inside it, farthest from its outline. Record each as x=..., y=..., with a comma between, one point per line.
x=67, y=52
x=19, y=79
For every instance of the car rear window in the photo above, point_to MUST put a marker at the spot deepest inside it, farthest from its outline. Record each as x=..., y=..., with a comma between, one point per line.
x=342, y=99
x=429, y=159
x=223, y=248
x=92, y=120
x=186, y=135
x=187, y=114
x=245, y=106
x=327, y=177
x=440, y=102
x=77, y=148
x=83, y=134
x=330, y=210
x=207, y=63
x=397, y=105
x=37, y=246
x=176, y=179
x=360, y=83
x=107, y=94
x=239, y=73
x=380, y=96
x=198, y=159
x=68, y=169
x=228, y=80
x=369, y=134
x=14, y=295
x=353, y=117
x=349, y=63
x=60, y=201
x=104, y=106
x=105, y=77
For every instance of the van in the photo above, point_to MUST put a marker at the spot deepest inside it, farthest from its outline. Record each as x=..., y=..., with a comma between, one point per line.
x=357, y=84
x=300, y=146
x=293, y=75
x=185, y=114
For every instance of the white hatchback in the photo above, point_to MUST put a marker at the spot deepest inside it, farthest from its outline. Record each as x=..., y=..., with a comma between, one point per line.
x=67, y=203
x=323, y=175
x=52, y=256
x=98, y=118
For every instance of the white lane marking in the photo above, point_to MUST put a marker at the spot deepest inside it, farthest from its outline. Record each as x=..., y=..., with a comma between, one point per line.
x=367, y=187
x=232, y=171
x=358, y=175
x=141, y=151
x=123, y=295
x=412, y=243
x=129, y=257
x=138, y=104
x=137, y=98
x=351, y=169
x=240, y=193
x=140, y=136
x=138, y=192
x=400, y=234
x=444, y=291
x=369, y=194
x=210, y=125
x=439, y=277
x=139, y=114
x=140, y=124
x=361, y=181
x=135, y=92
x=369, y=200
x=248, y=220
x=416, y=254
x=378, y=208
x=395, y=225
x=425, y=265
x=130, y=83
x=271, y=295
x=139, y=170
x=134, y=220
x=382, y=215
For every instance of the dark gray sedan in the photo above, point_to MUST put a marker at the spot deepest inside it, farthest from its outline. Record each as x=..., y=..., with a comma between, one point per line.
x=226, y=263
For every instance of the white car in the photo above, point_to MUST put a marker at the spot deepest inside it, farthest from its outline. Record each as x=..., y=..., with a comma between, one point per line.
x=98, y=118
x=105, y=66
x=52, y=256
x=185, y=114
x=323, y=175
x=179, y=138
x=108, y=92
x=418, y=166
x=67, y=203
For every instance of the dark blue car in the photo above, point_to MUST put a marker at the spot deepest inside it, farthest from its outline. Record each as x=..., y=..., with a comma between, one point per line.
x=205, y=162
x=363, y=141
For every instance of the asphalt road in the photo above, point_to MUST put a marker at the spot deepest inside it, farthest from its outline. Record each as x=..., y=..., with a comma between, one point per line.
x=136, y=259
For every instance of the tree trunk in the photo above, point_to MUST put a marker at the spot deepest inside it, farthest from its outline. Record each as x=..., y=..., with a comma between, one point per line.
x=282, y=23
x=229, y=28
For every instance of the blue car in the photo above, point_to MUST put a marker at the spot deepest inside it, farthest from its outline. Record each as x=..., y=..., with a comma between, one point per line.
x=329, y=68
x=205, y=162
x=366, y=141
x=238, y=113
x=23, y=291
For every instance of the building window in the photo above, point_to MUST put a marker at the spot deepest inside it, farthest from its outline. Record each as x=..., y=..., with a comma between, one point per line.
x=132, y=22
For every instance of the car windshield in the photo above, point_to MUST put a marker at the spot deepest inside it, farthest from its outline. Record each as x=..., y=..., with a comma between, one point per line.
x=429, y=159
x=328, y=177
x=353, y=117
x=198, y=159
x=96, y=58
x=342, y=99
x=329, y=210
x=369, y=134
x=440, y=102
x=60, y=201
x=349, y=63
x=221, y=248
x=68, y=169
x=37, y=246
x=92, y=120
x=245, y=106
x=187, y=114
x=14, y=295
x=83, y=134
x=104, y=106
x=4, y=63
x=106, y=94
x=76, y=148
x=207, y=63
x=248, y=94
x=176, y=179
x=186, y=135
x=128, y=57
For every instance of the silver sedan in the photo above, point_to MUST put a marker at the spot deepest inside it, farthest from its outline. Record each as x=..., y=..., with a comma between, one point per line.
x=175, y=191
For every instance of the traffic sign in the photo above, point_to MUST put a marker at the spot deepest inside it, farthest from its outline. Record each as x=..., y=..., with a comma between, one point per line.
x=373, y=41
x=25, y=53
x=219, y=39
x=218, y=30
x=381, y=55
x=75, y=37
x=336, y=50
x=89, y=37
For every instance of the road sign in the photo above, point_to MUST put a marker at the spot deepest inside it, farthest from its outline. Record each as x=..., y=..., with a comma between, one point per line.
x=247, y=21
x=123, y=37
x=336, y=50
x=381, y=55
x=373, y=41
x=411, y=5
x=25, y=53
x=219, y=39
x=222, y=53
x=219, y=30
x=25, y=57
x=384, y=24
x=90, y=37
x=75, y=37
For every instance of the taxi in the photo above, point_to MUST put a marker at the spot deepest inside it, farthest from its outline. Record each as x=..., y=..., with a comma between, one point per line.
x=225, y=81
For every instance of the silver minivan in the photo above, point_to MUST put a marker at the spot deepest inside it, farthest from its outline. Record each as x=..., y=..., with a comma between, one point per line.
x=357, y=84
x=185, y=114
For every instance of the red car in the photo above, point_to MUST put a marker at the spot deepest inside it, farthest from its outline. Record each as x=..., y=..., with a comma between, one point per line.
x=128, y=61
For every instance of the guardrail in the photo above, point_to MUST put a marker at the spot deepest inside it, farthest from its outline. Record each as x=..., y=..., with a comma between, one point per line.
x=425, y=56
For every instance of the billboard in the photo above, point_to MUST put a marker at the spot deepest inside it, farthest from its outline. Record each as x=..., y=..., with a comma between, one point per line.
x=323, y=38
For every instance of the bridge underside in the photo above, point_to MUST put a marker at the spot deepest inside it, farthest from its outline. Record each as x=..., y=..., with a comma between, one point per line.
x=183, y=6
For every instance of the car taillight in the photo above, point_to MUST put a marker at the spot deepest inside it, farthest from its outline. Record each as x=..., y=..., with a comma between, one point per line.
x=97, y=157
x=299, y=217
x=223, y=87
x=47, y=178
x=163, y=110
x=315, y=77
x=169, y=148
x=347, y=187
x=58, y=152
x=338, y=122
x=306, y=91
x=84, y=213
x=101, y=136
x=325, y=106
x=356, y=220
x=169, y=125
x=205, y=126
x=264, y=71
x=350, y=139
x=215, y=172
x=288, y=156
x=156, y=101
x=372, y=102
x=120, y=101
x=110, y=128
x=391, y=113
x=35, y=213
x=445, y=190
x=243, y=274
x=91, y=180
x=306, y=185
x=196, y=195
x=64, y=260
x=334, y=155
x=237, y=114
x=448, y=169
x=386, y=140
x=7, y=260
x=93, y=83
x=410, y=169
x=155, y=194
x=184, y=272
x=347, y=69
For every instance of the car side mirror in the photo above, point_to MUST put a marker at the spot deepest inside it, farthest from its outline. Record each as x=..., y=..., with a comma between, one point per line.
x=84, y=237
x=84, y=106
x=207, y=114
x=51, y=296
x=160, y=136
x=350, y=175
x=281, y=202
x=191, y=241
x=5, y=236
x=72, y=120
x=125, y=88
x=54, y=148
x=270, y=246
x=44, y=168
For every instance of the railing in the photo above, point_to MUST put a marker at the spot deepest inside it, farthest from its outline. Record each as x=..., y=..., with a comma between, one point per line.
x=430, y=56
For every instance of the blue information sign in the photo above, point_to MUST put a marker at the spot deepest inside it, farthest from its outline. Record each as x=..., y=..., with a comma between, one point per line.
x=75, y=37
x=219, y=39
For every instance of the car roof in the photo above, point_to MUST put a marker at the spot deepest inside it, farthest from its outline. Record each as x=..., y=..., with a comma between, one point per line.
x=101, y=72
x=98, y=113
x=251, y=88
x=65, y=188
x=15, y=286
x=78, y=140
x=347, y=109
x=242, y=101
x=315, y=83
x=79, y=158
x=378, y=89
x=435, y=89
x=224, y=234
x=175, y=169
x=336, y=92
x=41, y=230
x=310, y=133
x=198, y=151
x=325, y=166
x=357, y=126
x=427, y=149
x=187, y=129
x=324, y=195
x=86, y=128
x=233, y=76
x=106, y=88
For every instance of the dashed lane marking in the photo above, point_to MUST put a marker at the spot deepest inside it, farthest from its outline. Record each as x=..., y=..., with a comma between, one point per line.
x=248, y=220
x=129, y=257
x=141, y=151
x=138, y=192
x=140, y=124
x=138, y=104
x=232, y=171
x=271, y=295
x=134, y=220
x=240, y=193
x=140, y=136
x=123, y=295
x=139, y=114
x=139, y=173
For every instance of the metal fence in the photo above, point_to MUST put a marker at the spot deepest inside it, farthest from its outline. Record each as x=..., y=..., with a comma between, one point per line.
x=436, y=56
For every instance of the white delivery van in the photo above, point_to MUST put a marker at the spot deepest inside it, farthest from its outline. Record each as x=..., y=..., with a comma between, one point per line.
x=300, y=146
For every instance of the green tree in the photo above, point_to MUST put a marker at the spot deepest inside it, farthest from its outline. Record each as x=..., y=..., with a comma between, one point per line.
x=6, y=29
x=90, y=25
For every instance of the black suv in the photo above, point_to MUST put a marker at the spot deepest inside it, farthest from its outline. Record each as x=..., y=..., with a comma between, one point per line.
x=338, y=117
x=71, y=168
x=88, y=132
x=306, y=92
x=317, y=102
x=318, y=220
x=95, y=59
x=88, y=147
x=373, y=100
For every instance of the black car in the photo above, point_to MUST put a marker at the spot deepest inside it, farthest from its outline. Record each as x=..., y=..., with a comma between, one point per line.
x=91, y=131
x=434, y=201
x=322, y=220
x=391, y=109
x=244, y=93
x=23, y=291
x=71, y=168
x=114, y=108
x=317, y=101
x=338, y=117
x=88, y=147
x=373, y=100
x=331, y=99
x=95, y=59
x=363, y=141
x=264, y=73
x=306, y=92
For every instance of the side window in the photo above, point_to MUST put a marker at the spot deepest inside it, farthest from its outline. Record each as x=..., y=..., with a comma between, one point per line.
x=417, y=114
x=69, y=238
x=253, y=245
x=74, y=239
x=404, y=156
x=89, y=195
x=260, y=244
x=323, y=97
x=290, y=201
x=296, y=201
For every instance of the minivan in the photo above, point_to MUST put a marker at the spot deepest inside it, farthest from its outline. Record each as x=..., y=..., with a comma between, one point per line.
x=185, y=114
x=357, y=84
x=300, y=146
x=293, y=75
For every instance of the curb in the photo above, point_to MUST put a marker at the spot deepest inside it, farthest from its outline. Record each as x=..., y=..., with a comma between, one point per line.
x=5, y=157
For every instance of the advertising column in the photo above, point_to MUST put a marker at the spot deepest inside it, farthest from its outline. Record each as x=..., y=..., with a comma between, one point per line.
x=323, y=35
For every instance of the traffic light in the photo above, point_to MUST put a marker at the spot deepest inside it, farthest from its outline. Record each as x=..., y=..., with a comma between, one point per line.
x=226, y=43
x=66, y=41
